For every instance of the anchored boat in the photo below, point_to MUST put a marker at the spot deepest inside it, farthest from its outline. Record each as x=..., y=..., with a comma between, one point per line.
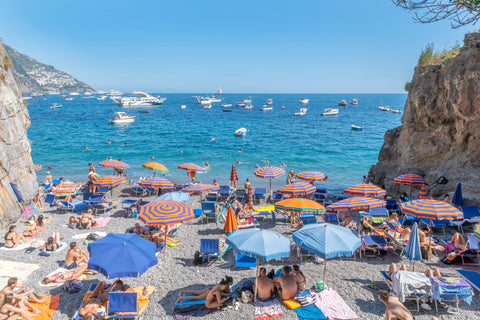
x=122, y=117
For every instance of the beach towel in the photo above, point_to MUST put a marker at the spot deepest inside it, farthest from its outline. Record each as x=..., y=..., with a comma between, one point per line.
x=268, y=309
x=101, y=222
x=141, y=298
x=31, y=210
x=84, y=276
x=19, y=270
x=333, y=306
x=311, y=312
x=193, y=310
x=46, y=308
x=63, y=245
x=85, y=235
x=21, y=246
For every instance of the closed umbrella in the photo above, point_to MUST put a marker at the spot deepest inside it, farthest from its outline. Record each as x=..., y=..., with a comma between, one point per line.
x=250, y=197
x=365, y=190
x=328, y=241
x=233, y=176
x=312, y=176
x=122, y=255
x=230, y=221
x=37, y=167
x=423, y=192
x=410, y=179
x=412, y=250
x=297, y=189
x=457, y=196
x=269, y=172
x=155, y=167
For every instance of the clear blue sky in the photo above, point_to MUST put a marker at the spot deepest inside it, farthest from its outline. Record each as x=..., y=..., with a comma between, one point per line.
x=312, y=46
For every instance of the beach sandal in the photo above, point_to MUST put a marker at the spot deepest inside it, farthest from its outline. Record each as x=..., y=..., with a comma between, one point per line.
x=373, y=286
x=30, y=249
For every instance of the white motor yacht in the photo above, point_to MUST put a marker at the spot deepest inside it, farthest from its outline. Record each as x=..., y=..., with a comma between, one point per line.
x=241, y=132
x=354, y=101
x=142, y=99
x=74, y=93
x=304, y=100
x=115, y=93
x=302, y=112
x=269, y=102
x=248, y=107
x=101, y=98
x=395, y=110
x=69, y=99
x=226, y=105
x=330, y=112
x=266, y=108
x=122, y=117
x=386, y=108
x=247, y=100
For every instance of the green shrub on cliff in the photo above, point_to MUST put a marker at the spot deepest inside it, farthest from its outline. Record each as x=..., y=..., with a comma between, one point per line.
x=7, y=62
x=428, y=55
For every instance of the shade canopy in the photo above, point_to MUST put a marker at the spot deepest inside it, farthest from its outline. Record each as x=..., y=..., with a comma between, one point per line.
x=312, y=176
x=230, y=222
x=200, y=187
x=155, y=167
x=457, y=196
x=410, y=179
x=300, y=205
x=269, y=172
x=365, y=190
x=297, y=189
x=261, y=244
x=412, y=250
x=191, y=167
x=327, y=240
x=175, y=195
x=233, y=174
x=356, y=203
x=37, y=167
x=114, y=164
x=160, y=212
x=122, y=255
x=109, y=181
x=423, y=192
x=156, y=182
x=431, y=209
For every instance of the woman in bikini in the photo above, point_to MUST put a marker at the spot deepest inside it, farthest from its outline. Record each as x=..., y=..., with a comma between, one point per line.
x=10, y=310
x=12, y=238
x=214, y=297
x=61, y=277
x=53, y=243
x=86, y=220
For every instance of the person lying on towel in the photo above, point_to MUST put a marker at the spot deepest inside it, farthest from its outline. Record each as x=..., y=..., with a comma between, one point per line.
x=286, y=284
x=95, y=302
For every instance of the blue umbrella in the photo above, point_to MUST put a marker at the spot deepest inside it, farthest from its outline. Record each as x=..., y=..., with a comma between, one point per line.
x=457, y=196
x=327, y=240
x=412, y=250
x=176, y=195
x=122, y=255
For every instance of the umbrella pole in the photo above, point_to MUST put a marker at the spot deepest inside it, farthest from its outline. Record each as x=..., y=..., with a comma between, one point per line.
x=324, y=269
x=410, y=197
x=165, y=244
x=413, y=269
x=271, y=193
x=359, y=234
x=429, y=237
x=256, y=284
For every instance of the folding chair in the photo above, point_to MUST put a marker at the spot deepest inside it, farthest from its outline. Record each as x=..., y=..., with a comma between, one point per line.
x=376, y=244
x=391, y=205
x=308, y=219
x=209, y=210
x=122, y=302
x=209, y=250
x=242, y=261
x=50, y=199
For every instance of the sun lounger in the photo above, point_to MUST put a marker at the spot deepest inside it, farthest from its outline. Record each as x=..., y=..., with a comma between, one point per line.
x=276, y=196
x=97, y=207
x=249, y=225
x=209, y=210
x=224, y=192
x=379, y=214
x=376, y=244
x=242, y=261
x=415, y=296
x=123, y=302
x=308, y=219
x=260, y=193
x=331, y=218
x=473, y=277
x=455, y=290
x=471, y=216
x=391, y=205
x=75, y=205
x=209, y=250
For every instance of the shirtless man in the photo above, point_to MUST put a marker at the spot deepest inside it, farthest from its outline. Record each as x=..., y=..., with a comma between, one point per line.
x=75, y=257
x=265, y=286
x=18, y=297
x=286, y=284
x=299, y=278
x=95, y=302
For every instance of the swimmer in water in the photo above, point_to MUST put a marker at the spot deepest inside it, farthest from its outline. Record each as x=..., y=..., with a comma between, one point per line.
x=213, y=139
x=85, y=148
x=109, y=142
x=257, y=166
x=206, y=164
x=240, y=150
x=153, y=158
x=239, y=162
x=126, y=143
x=181, y=151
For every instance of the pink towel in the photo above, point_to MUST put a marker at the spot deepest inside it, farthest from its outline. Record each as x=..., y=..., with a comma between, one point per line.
x=102, y=222
x=333, y=305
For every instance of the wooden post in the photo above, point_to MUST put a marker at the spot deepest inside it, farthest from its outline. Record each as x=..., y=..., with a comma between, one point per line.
x=165, y=244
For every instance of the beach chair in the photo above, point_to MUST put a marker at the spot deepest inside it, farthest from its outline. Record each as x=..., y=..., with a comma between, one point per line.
x=321, y=190
x=87, y=196
x=308, y=219
x=373, y=246
x=474, y=249
x=75, y=205
x=379, y=214
x=50, y=199
x=102, y=189
x=455, y=292
x=276, y=196
x=240, y=194
x=242, y=261
x=471, y=216
x=224, y=192
x=260, y=194
x=331, y=218
x=395, y=244
x=212, y=197
x=209, y=250
x=209, y=210
x=100, y=208
x=31, y=210
x=120, y=303
x=342, y=197
x=473, y=277
x=413, y=296
x=92, y=287
x=391, y=205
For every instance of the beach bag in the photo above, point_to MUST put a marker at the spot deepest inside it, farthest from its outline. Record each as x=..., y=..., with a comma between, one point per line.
x=93, y=237
x=306, y=299
x=197, y=259
x=72, y=286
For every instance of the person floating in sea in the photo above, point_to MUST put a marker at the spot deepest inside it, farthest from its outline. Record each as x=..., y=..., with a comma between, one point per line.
x=257, y=166
x=181, y=151
x=50, y=167
x=213, y=139
x=85, y=148
x=283, y=165
x=239, y=162
x=153, y=157
x=240, y=150
x=109, y=142
x=207, y=165
x=126, y=143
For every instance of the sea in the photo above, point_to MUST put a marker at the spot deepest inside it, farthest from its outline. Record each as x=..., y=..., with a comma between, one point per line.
x=173, y=136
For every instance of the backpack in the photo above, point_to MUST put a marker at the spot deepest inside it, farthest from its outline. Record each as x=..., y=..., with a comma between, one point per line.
x=197, y=259
x=93, y=237
x=72, y=286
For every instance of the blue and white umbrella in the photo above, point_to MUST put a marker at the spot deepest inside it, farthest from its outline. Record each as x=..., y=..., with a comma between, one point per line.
x=412, y=250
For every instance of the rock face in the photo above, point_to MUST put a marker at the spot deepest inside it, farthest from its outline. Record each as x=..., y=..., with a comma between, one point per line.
x=440, y=131
x=15, y=161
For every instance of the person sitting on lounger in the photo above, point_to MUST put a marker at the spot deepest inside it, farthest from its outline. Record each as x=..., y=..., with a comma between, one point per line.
x=458, y=241
x=11, y=309
x=75, y=257
x=141, y=231
x=119, y=286
x=95, y=302
x=106, y=201
x=286, y=284
x=219, y=294
x=24, y=292
x=12, y=238
x=265, y=287
x=299, y=278
x=159, y=238
x=53, y=243
x=61, y=277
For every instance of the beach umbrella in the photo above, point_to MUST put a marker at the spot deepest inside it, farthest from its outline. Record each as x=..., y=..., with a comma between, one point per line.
x=155, y=167
x=200, y=187
x=476, y=231
x=260, y=244
x=114, y=164
x=269, y=172
x=412, y=250
x=423, y=192
x=109, y=181
x=457, y=196
x=431, y=210
x=300, y=205
x=37, y=167
x=233, y=175
x=191, y=167
x=312, y=176
x=17, y=193
x=165, y=212
x=230, y=221
x=411, y=180
x=122, y=255
x=328, y=241
x=297, y=189
x=365, y=190
x=250, y=197
x=156, y=182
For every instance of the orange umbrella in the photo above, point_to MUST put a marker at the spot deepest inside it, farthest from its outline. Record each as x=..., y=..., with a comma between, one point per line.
x=230, y=222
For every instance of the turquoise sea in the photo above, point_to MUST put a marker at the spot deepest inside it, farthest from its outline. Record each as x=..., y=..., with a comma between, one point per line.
x=311, y=142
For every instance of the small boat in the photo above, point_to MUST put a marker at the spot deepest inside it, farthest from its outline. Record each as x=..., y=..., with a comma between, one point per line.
x=304, y=100
x=227, y=110
x=183, y=106
x=63, y=96
x=248, y=107
x=207, y=106
x=143, y=111
x=74, y=93
x=122, y=117
x=342, y=103
x=101, y=98
x=386, y=108
x=302, y=112
x=241, y=132
x=55, y=106
x=357, y=128
x=241, y=105
x=266, y=108
x=69, y=99
x=395, y=111
x=330, y=112
x=269, y=102
x=247, y=100
x=226, y=105
x=354, y=101
x=283, y=107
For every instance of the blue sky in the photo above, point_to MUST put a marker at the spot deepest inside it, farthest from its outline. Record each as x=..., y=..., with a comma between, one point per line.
x=311, y=46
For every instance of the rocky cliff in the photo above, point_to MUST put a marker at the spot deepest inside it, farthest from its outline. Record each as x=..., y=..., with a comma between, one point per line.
x=440, y=131
x=15, y=162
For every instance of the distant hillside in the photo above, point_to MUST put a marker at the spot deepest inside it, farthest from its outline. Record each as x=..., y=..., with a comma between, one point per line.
x=34, y=76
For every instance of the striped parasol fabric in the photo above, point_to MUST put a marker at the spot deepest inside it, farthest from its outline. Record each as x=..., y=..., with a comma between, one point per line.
x=156, y=182
x=37, y=167
x=155, y=167
x=476, y=231
x=114, y=164
x=312, y=176
x=356, y=203
x=297, y=189
x=431, y=209
x=200, y=187
x=250, y=197
x=109, y=181
x=365, y=190
x=233, y=174
x=269, y=172
x=410, y=179
x=300, y=205
x=164, y=212
x=191, y=167
x=423, y=192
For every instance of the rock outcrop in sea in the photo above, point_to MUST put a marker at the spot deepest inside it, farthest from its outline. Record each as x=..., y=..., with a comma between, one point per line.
x=15, y=161
x=440, y=131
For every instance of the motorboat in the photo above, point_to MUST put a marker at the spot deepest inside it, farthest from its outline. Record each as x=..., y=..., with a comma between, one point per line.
x=36, y=94
x=207, y=100
x=101, y=98
x=226, y=105
x=55, y=106
x=248, y=107
x=357, y=128
x=382, y=108
x=219, y=92
x=142, y=99
x=74, y=93
x=269, y=102
x=87, y=93
x=330, y=112
x=27, y=98
x=143, y=111
x=183, y=106
x=122, y=117
x=241, y=132
x=304, y=100
x=395, y=111
x=241, y=105
x=342, y=103
x=227, y=110
x=302, y=112
x=247, y=100
x=115, y=93
x=266, y=108
x=354, y=101
x=69, y=99
x=283, y=107
x=207, y=106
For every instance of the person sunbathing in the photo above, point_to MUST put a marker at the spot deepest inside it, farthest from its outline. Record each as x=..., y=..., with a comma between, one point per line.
x=219, y=294
x=265, y=286
x=95, y=302
x=75, y=257
x=299, y=278
x=393, y=267
x=427, y=242
x=61, y=277
x=73, y=222
x=286, y=284
x=458, y=241
x=53, y=243
x=194, y=295
x=159, y=238
x=12, y=238
x=13, y=284
x=86, y=220
x=11, y=309
x=141, y=231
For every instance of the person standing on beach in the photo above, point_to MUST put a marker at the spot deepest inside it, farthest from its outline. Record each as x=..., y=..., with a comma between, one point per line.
x=290, y=177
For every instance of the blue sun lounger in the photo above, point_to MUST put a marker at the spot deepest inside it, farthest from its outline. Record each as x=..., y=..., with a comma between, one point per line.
x=414, y=296
x=473, y=277
x=75, y=205
x=242, y=261
x=119, y=302
x=209, y=250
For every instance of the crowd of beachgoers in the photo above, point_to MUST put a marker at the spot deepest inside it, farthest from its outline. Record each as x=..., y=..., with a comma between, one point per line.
x=47, y=275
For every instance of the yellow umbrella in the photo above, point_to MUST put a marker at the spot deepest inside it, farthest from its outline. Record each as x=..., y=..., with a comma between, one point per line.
x=155, y=167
